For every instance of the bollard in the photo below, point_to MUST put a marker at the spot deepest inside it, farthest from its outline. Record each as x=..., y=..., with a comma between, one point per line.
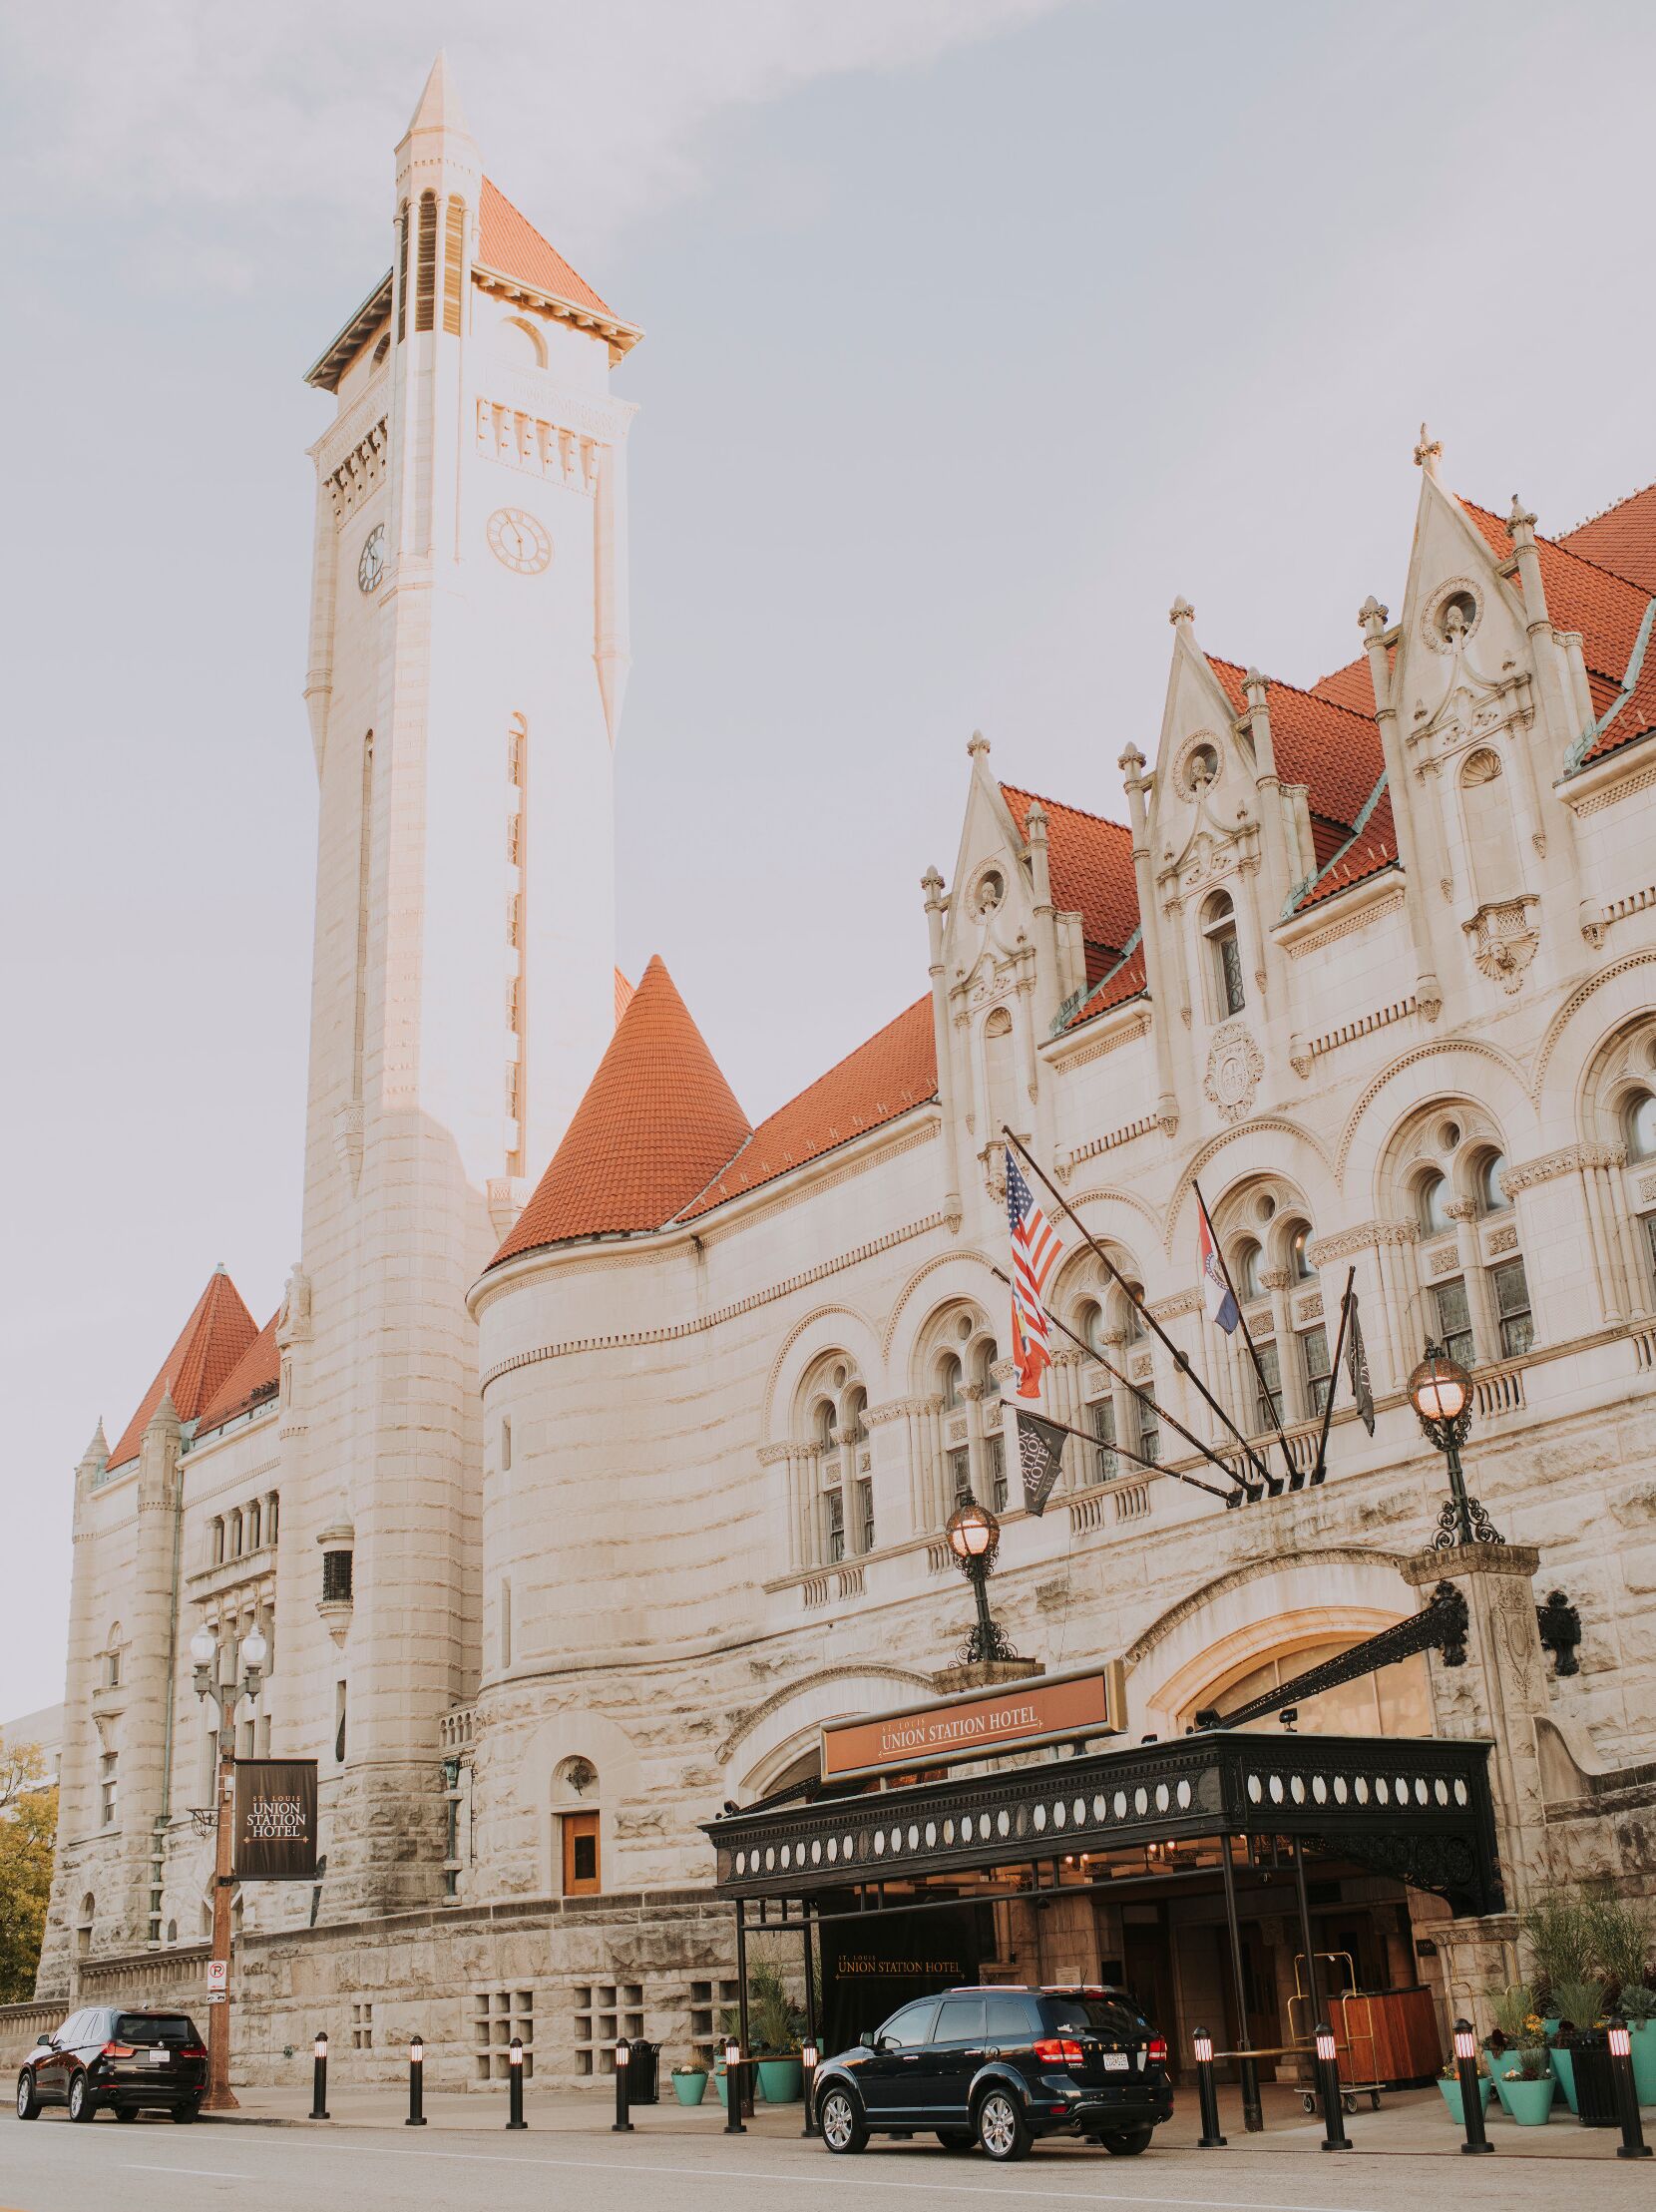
x=416, y=2083
x=733, y=2087
x=1471, y=2089
x=622, y=2122
x=515, y=2084
x=809, y=2059
x=1633, y=2144
x=1207, y=2096
x=1247, y=2072
x=1328, y=2079
x=320, y=2081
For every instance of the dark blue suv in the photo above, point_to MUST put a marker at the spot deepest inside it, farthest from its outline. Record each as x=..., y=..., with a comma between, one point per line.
x=998, y=2067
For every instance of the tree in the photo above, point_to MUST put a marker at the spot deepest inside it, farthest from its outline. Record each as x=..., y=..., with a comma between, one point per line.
x=28, y=1831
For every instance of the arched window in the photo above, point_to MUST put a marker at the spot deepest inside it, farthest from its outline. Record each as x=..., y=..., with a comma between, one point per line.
x=1134, y=1319
x=1639, y=1121
x=1225, y=954
x=825, y=1424
x=949, y=1381
x=1299, y=1261
x=988, y=1381
x=1432, y=1201
x=1491, y=1197
x=1245, y=1266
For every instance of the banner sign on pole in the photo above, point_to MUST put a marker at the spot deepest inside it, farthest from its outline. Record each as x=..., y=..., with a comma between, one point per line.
x=275, y=1820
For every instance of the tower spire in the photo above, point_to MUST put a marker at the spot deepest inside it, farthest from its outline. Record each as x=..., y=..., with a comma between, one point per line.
x=437, y=107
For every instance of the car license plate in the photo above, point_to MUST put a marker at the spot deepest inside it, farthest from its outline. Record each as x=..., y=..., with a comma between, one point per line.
x=155, y=2057
x=1115, y=2061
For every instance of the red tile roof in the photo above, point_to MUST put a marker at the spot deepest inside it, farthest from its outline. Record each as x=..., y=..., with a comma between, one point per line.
x=210, y=1344
x=1334, y=750
x=1623, y=539
x=252, y=1379
x=1351, y=687
x=510, y=243
x=896, y=1068
x=1362, y=856
x=1090, y=861
x=658, y=1123
x=623, y=993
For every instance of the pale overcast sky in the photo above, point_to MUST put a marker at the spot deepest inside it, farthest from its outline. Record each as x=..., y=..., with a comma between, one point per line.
x=977, y=329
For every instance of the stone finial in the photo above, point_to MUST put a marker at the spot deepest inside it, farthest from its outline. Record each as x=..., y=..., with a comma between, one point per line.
x=96, y=1457
x=1131, y=763
x=1035, y=824
x=166, y=1414
x=1429, y=453
x=977, y=744
x=1371, y=616
x=1253, y=681
x=1181, y=611
x=1520, y=519
x=932, y=884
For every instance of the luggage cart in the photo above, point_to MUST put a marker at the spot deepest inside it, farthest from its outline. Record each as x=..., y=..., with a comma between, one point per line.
x=1365, y=2078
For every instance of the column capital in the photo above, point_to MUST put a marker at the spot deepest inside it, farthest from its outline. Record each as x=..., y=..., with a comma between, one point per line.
x=1472, y=1558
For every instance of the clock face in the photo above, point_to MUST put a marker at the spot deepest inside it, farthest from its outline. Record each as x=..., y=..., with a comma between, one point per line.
x=371, y=566
x=519, y=541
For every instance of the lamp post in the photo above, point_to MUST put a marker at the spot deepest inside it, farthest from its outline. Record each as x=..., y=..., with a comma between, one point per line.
x=416, y=2083
x=1471, y=2089
x=203, y=1650
x=973, y=1537
x=1440, y=1392
x=622, y=2122
x=733, y=2087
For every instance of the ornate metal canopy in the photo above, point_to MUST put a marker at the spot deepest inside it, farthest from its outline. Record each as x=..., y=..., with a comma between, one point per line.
x=1417, y=1808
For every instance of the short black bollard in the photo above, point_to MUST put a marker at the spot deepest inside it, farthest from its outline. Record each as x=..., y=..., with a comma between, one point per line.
x=809, y=2059
x=1471, y=2089
x=733, y=2088
x=416, y=2083
x=1207, y=2097
x=515, y=2084
x=320, y=2081
x=1328, y=2081
x=622, y=2122
x=1633, y=2144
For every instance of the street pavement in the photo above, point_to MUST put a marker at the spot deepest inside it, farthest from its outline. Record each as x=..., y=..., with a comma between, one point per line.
x=365, y=2161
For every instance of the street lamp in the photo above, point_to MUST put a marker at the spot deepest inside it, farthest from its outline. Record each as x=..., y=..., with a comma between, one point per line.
x=1440, y=1392
x=203, y=1653
x=973, y=1535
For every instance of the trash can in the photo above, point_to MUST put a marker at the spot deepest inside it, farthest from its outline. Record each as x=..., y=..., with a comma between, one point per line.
x=1595, y=2082
x=643, y=2068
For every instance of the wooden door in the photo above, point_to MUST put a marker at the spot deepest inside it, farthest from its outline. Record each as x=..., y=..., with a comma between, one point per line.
x=580, y=1866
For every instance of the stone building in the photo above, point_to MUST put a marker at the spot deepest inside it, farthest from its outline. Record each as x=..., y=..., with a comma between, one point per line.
x=573, y=1508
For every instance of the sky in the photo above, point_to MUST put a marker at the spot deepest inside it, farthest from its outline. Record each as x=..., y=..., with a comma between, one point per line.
x=977, y=331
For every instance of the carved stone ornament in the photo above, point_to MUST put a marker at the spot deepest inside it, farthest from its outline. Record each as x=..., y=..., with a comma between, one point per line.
x=1503, y=939
x=1559, y=1626
x=1234, y=1067
x=993, y=1160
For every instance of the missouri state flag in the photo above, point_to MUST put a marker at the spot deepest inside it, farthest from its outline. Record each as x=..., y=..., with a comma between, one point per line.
x=1036, y=1251
x=1216, y=1292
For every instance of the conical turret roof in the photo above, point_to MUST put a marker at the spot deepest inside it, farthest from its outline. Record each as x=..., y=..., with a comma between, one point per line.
x=658, y=1123
x=219, y=1331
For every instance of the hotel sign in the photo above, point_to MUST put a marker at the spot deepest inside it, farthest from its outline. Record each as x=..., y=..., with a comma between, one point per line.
x=275, y=1820
x=976, y=1724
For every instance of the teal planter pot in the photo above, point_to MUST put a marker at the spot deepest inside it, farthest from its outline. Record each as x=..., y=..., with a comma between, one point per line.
x=1643, y=2041
x=1563, y=2067
x=1451, y=2097
x=781, y=2080
x=1528, y=2102
x=689, y=2088
x=718, y=2083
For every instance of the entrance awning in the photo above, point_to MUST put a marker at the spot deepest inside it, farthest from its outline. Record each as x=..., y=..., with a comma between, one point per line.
x=1415, y=1807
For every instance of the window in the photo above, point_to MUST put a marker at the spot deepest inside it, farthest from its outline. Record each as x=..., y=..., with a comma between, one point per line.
x=581, y=1861
x=1299, y=1258
x=338, y=1578
x=1012, y=2019
x=995, y=1448
x=506, y=1447
x=959, y=1476
x=107, y=1788
x=1268, y=1399
x=112, y=1671
x=949, y=1381
x=988, y=1382
x=1105, y=1462
x=865, y=1514
x=1314, y=1361
x=1491, y=1197
x=1245, y=1272
x=1455, y=1321
x=854, y=1427
x=833, y=1524
x=1641, y=1127
x=1225, y=954
x=1149, y=1431
x=339, y=1722
x=825, y=1426
x=960, y=2021
x=910, y=2028
x=1431, y=1201
x=1136, y=1320
x=1511, y=1289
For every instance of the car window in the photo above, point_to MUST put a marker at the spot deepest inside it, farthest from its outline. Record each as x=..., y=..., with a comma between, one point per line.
x=1094, y=2015
x=959, y=2022
x=910, y=2028
x=1009, y=2018
x=153, y=2028
x=66, y=2033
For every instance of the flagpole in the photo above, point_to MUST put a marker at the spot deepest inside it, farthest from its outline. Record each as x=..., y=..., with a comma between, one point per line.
x=1180, y=1360
x=1226, y=1498
x=1317, y=1472
x=1294, y=1476
x=1144, y=1398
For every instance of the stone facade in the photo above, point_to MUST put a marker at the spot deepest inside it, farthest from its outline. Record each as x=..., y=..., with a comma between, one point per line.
x=629, y=1516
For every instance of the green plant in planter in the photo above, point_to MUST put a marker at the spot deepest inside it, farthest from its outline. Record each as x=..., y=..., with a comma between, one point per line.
x=1621, y=1937
x=1513, y=2008
x=1636, y=2004
x=1526, y=2065
x=1561, y=1932
x=775, y=2024
x=1577, y=2005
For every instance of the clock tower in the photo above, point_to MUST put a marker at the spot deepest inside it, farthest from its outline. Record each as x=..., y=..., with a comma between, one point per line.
x=468, y=659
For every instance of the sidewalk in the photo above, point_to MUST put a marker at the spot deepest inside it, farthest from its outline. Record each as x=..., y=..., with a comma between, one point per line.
x=1410, y=2121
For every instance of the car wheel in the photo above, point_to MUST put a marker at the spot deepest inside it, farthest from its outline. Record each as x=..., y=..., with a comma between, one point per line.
x=125, y=2111
x=1128, y=2142
x=843, y=2127
x=185, y=2114
x=955, y=2139
x=81, y=2106
x=1003, y=2130
x=28, y=2103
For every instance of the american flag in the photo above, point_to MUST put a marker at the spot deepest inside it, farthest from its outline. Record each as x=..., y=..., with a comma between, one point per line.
x=1036, y=1251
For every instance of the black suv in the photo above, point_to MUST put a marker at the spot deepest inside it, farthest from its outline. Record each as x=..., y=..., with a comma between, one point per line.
x=998, y=2067
x=131, y=2062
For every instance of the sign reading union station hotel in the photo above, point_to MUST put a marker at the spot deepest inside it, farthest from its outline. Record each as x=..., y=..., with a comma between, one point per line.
x=1063, y=1709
